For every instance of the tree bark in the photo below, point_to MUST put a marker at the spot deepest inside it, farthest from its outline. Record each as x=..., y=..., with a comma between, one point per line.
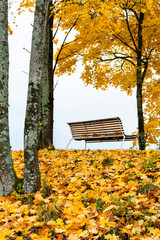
x=139, y=86
x=140, y=114
x=46, y=103
x=32, y=179
x=7, y=173
x=51, y=81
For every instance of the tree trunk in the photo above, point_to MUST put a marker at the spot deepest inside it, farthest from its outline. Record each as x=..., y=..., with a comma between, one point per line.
x=7, y=173
x=44, y=99
x=140, y=114
x=51, y=81
x=139, y=86
x=46, y=102
x=32, y=180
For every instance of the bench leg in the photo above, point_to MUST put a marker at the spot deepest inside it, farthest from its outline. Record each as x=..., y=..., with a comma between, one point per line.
x=85, y=145
x=69, y=143
x=137, y=144
x=122, y=142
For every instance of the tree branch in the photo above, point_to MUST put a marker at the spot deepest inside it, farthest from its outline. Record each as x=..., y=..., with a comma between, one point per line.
x=122, y=41
x=130, y=30
x=117, y=57
x=145, y=70
x=62, y=45
x=57, y=28
x=70, y=42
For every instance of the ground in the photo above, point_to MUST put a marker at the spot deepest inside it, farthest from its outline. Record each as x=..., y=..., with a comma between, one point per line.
x=86, y=194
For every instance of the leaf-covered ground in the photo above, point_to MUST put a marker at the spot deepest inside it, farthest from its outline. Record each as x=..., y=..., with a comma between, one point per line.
x=87, y=195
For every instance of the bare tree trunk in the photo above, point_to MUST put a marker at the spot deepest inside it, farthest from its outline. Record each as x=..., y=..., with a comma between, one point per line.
x=46, y=102
x=44, y=99
x=51, y=81
x=32, y=179
x=7, y=173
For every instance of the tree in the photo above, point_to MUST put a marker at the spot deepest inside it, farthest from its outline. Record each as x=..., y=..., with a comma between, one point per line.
x=118, y=43
x=45, y=138
x=47, y=89
x=7, y=173
x=46, y=99
x=31, y=168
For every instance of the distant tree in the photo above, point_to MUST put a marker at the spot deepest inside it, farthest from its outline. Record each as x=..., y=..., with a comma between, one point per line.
x=118, y=43
x=7, y=173
x=32, y=180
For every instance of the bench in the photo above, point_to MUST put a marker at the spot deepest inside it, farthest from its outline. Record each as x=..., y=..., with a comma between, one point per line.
x=101, y=130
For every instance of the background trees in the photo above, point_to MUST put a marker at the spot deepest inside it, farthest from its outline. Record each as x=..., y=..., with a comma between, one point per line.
x=118, y=43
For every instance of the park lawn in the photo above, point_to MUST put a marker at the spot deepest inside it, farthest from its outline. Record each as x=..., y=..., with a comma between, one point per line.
x=86, y=194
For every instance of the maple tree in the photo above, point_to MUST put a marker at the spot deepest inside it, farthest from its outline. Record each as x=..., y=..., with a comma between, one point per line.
x=118, y=43
x=108, y=195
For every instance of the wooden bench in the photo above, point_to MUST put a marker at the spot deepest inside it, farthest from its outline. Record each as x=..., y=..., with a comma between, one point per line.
x=101, y=130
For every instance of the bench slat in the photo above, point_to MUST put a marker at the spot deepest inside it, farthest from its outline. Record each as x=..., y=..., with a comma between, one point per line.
x=97, y=131
x=97, y=134
x=96, y=127
x=95, y=123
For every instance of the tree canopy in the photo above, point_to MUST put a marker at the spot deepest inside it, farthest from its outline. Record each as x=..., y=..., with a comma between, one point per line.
x=118, y=43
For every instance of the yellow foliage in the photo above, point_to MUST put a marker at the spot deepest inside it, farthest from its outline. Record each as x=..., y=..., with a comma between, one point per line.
x=10, y=30
x=107, y=41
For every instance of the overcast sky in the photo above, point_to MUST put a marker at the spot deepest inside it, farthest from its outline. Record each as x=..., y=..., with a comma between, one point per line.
x=73, y=101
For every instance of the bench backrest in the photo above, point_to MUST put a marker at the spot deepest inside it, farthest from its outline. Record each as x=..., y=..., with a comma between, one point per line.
x=102, y=128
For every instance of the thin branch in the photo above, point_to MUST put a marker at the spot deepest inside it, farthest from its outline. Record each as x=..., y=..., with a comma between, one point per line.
x=70, y=42
x=26, y=50
x=150, y=39
x=130, y=30
x=78, y=54
x=145, y=70
x=57, y=28
x=55, y=85
x=122, y=41
x=79, y=3
x=25, y=72
x=62, y=45
x=136, y=15
x=117, y=57
x=146, y=65
x=54, y=3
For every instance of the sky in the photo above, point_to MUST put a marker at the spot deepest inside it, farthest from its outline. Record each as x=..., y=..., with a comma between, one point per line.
x=73, y=101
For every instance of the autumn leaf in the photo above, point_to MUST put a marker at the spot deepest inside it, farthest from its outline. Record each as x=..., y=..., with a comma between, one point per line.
x=95, y=204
